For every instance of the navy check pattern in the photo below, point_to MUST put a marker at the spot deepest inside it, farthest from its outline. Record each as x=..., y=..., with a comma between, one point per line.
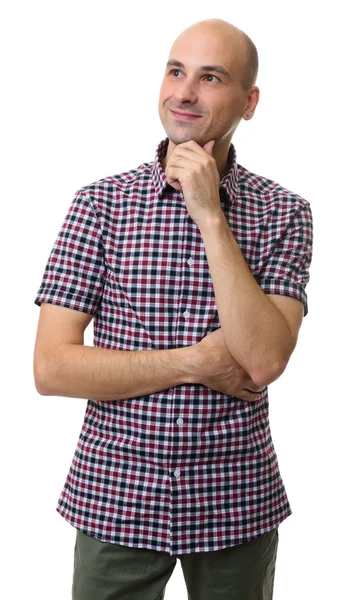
x=187, y=469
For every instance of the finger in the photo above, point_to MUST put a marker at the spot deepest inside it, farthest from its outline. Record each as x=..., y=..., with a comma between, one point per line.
x=193, y=146
x=176, y=185
x=175, y=174
x=181, y=153
x=197, y=150
x=254, y=391
x=186, y=163
x=172, y=177
x=248, y=396
x=208, y=147
x=250, y=386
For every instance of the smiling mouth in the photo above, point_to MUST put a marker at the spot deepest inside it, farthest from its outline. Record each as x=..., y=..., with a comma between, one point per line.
x=184, y=116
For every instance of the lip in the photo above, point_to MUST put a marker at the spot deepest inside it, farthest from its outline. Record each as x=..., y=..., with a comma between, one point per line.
x=184, y=116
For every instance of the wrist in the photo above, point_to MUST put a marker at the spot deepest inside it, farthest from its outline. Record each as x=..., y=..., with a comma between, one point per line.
x=191, y=363
x=213, y=223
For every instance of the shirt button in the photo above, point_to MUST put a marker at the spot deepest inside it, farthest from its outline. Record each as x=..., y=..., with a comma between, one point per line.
x=186, y=314
x=190, y=262
x=177, y=473
x=179, y=421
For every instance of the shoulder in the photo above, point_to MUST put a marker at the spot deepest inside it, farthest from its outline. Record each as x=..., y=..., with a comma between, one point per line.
x=268, y=194
x=110, y=188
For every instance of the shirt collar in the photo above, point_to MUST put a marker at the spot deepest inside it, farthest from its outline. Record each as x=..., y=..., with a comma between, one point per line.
x=228, y=183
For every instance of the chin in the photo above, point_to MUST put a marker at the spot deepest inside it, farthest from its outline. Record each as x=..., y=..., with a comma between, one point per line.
x=179, y=137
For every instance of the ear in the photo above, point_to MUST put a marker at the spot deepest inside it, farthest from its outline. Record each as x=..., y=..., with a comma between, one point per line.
x=252, y=100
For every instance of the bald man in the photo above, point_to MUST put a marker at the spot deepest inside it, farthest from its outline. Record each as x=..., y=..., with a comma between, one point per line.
x=194, y=272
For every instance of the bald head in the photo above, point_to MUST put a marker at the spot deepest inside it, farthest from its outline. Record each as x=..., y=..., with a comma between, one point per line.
x=231, y=36
x=208, y=85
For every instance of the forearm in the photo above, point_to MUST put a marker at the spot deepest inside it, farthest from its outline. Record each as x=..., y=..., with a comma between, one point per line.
x=256, y=333
x=79, y=371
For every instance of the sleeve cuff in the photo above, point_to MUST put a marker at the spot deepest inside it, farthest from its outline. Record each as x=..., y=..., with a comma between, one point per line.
x=285, y=287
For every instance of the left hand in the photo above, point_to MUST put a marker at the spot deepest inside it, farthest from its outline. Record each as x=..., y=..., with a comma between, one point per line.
x=193, y=170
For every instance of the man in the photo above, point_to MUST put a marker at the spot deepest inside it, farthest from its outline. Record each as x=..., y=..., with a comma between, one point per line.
x=194, y=271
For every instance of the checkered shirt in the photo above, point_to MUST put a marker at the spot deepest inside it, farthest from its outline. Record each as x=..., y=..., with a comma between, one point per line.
x=187, y=469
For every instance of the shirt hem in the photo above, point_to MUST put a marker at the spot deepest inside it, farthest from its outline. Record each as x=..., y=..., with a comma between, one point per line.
x=200, y=549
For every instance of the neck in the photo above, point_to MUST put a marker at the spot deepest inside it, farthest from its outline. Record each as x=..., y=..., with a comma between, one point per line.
x=220, y=154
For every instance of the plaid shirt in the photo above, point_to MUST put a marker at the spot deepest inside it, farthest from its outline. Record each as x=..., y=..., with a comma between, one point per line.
x=187, y=469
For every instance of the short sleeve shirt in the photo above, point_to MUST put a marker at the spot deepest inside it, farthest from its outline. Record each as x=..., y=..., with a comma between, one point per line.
x=187, y=469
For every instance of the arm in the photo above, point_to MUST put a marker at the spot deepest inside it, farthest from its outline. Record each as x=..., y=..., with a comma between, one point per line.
x=63, y=366
x=70, y=293
x=260, y=331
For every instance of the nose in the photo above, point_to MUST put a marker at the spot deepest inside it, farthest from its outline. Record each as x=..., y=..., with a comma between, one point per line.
x=186, y=92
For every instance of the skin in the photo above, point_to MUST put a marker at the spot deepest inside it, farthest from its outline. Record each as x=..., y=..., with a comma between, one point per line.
x=220, y=100
x=260, y=331
x=257, y=333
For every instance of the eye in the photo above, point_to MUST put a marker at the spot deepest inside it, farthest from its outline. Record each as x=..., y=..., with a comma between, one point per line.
x=175, y=72
x=210, y=78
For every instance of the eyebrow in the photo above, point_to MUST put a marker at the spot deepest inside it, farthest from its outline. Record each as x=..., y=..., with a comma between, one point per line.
x=216, y=68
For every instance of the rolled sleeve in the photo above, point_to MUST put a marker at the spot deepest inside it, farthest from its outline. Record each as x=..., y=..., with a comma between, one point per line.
x=74, y=273
x=286, y=272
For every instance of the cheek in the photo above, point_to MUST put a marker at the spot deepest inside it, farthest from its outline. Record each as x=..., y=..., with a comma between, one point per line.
x=227, y=112
x=165, y=93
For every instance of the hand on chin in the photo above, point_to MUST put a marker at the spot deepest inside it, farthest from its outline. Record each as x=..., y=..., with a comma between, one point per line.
x=175, y=184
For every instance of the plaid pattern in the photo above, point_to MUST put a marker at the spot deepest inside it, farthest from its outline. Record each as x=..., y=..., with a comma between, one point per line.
x=187, y=469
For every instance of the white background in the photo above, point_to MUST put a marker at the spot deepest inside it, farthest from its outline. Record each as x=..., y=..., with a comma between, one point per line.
x=79, y=96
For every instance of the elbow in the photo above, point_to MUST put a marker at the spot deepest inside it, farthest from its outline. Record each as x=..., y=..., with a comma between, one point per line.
x=268, y=369
x=265, y=375
x=42, y=389
x=271, y=364
x=42, y=377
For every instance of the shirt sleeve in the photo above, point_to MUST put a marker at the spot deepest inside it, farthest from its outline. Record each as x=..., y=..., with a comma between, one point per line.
x=74, y=273
x=286, y=272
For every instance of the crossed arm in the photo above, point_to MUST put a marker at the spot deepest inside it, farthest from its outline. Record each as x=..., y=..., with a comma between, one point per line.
x=260, y=330
x=257, y=337
x=63, y=366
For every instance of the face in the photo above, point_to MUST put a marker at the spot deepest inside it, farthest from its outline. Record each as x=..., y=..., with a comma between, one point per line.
x=201, y=96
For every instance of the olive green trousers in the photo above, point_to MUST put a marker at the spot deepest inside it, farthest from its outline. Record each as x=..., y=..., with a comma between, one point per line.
x=104, y=571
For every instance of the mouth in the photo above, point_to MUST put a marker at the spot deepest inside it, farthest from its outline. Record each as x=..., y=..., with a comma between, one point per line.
x=182, y=116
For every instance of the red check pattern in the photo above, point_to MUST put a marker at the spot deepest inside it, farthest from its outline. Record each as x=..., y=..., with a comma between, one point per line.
x=187, y=469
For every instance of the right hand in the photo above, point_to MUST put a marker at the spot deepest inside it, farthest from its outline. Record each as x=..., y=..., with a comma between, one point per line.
x=219, y=371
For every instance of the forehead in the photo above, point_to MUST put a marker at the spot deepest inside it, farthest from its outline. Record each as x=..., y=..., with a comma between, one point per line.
x=203, y=46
